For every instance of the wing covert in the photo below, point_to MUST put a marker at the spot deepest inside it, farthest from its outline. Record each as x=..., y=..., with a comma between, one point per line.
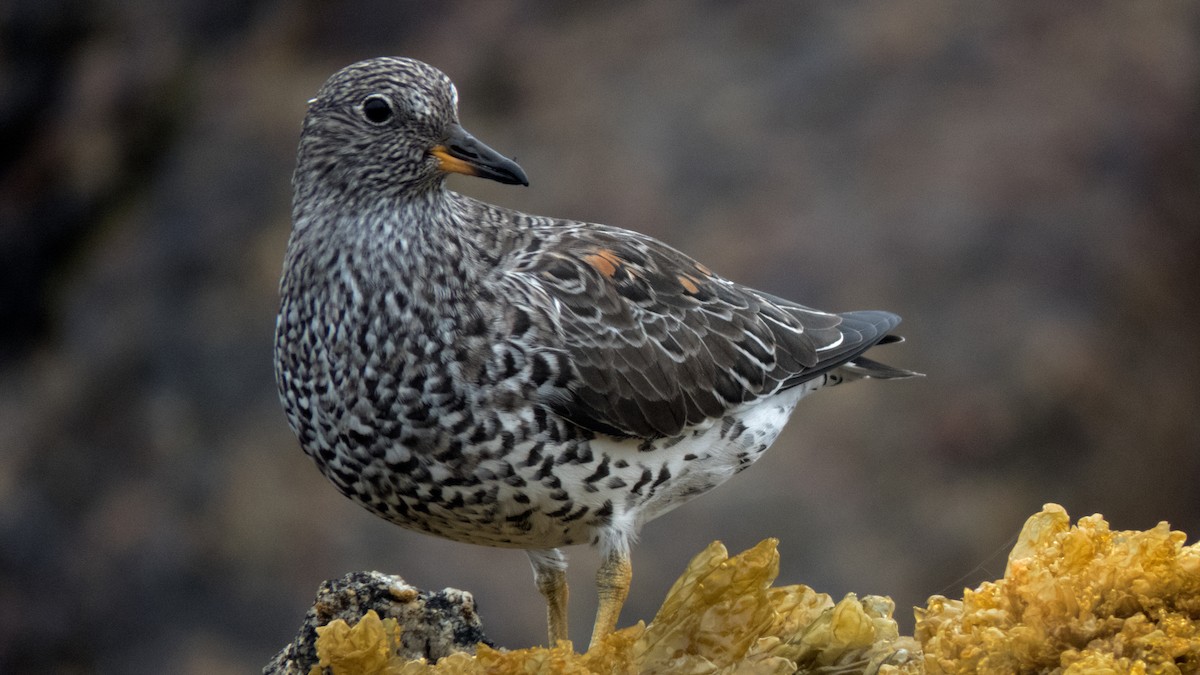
x=658, y=342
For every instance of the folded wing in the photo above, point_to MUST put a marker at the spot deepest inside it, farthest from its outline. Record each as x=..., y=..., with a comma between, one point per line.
x=658, y=342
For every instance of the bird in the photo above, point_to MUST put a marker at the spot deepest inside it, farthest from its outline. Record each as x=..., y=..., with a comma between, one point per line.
x=512, y=380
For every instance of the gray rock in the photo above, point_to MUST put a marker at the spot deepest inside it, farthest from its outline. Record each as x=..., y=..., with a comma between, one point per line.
x=434, y=624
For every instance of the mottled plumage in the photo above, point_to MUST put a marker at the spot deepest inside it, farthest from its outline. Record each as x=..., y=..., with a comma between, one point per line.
x=513, y=380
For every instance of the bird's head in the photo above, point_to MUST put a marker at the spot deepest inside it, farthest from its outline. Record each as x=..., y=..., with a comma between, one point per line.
x=389, y=126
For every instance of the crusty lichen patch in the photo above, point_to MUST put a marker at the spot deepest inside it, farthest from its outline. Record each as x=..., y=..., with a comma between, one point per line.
x=721, y=616
x=1075, y=599
x=370, y=646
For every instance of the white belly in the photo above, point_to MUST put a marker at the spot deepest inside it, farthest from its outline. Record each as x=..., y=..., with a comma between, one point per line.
x=706, y=457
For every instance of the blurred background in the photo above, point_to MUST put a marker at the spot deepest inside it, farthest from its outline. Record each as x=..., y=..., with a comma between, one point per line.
x=1019, y=180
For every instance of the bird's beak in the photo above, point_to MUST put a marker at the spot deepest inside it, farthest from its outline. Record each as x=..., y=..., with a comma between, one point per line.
x=463, y=153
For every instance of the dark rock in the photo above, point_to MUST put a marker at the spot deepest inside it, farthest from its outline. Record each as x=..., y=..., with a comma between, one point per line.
x=434, y=624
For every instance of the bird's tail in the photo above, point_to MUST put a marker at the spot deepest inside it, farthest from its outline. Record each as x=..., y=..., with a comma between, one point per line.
x=864, y=367
x=861, y=366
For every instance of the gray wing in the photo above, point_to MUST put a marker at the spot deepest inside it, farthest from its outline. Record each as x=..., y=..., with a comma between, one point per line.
x=657, y=342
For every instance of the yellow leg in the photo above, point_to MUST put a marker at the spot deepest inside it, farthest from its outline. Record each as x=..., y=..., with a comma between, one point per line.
x=550, y=574
x=612, y=584
x=554, y=589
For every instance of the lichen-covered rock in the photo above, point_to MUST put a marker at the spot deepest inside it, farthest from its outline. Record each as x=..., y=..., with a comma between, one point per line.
x=425, y=625
x=721, y=616
x=1081, y=599
x=1073, y=600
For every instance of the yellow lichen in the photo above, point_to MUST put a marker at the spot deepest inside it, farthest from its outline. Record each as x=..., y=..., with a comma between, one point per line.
x=721, y=616
x=1073, y=600
x=1081, y=599
x=368, y=647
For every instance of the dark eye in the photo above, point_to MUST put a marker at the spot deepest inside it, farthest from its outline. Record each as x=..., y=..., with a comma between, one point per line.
x=376, y=109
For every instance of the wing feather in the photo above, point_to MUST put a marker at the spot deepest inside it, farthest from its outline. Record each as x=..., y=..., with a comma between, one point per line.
x=657, y=342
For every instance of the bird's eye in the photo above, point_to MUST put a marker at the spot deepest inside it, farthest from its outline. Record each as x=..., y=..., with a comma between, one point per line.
x=376, y=109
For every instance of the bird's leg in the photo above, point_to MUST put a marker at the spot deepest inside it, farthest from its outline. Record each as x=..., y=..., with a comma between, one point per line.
x=550, y=574
x=612, y=585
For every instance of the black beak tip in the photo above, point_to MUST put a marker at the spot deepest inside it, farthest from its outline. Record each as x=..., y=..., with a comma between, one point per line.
x=518, y=176
x=463, y=153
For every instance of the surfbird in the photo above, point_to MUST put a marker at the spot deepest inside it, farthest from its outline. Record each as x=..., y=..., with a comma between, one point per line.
x=513, y=380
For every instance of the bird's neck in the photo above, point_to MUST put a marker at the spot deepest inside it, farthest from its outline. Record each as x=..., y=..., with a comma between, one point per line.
x=416, y=243
x=428, y=225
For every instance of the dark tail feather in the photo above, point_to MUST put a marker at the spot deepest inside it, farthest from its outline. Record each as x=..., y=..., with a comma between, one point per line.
x=864, y=367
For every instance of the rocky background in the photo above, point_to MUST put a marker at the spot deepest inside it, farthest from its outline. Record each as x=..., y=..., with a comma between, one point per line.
x=1020, y=181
